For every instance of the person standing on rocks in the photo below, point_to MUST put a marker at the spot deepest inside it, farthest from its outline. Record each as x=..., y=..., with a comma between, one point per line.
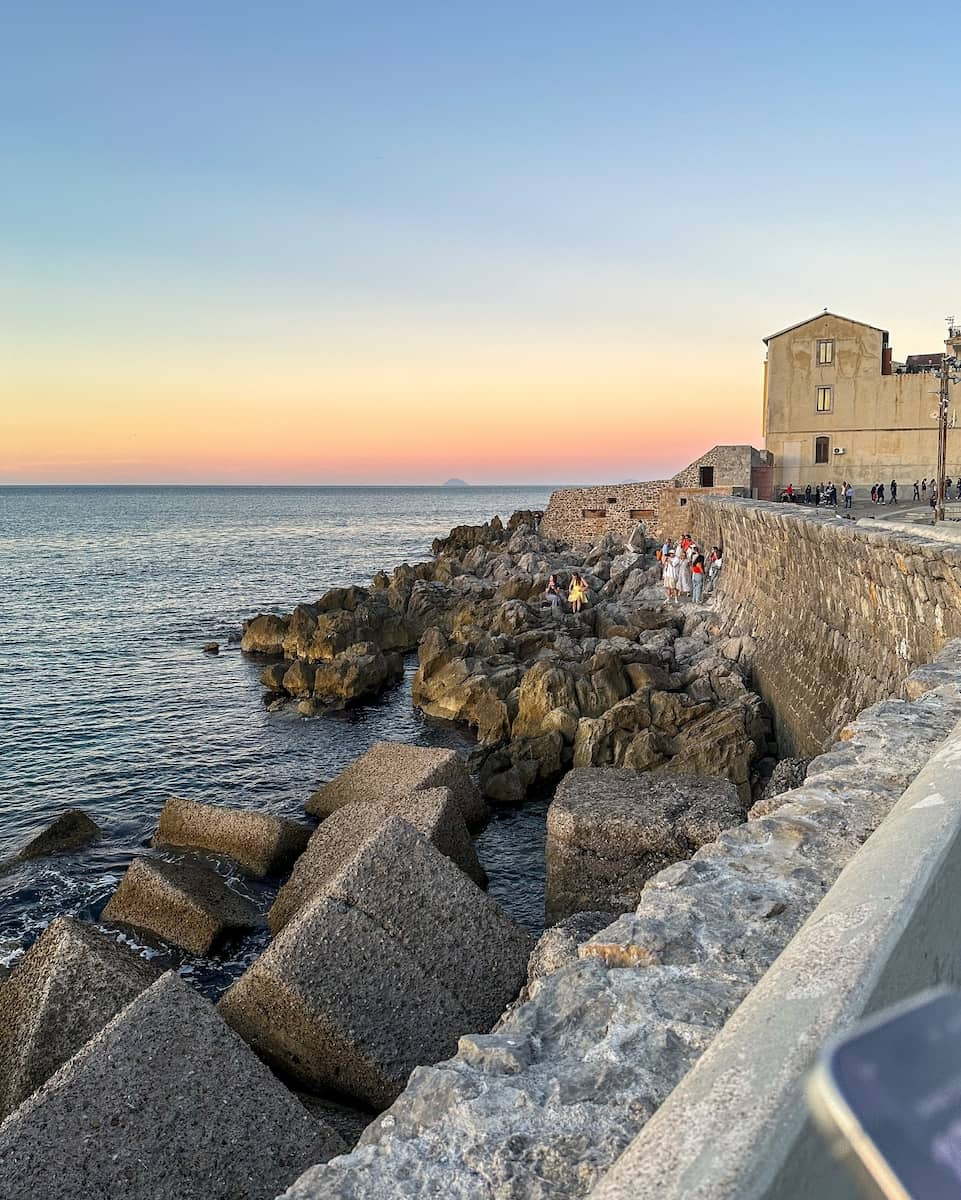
x=578, y=593
x=684, y=575
x=670, y=577
x=697, y=578
x=552, y=593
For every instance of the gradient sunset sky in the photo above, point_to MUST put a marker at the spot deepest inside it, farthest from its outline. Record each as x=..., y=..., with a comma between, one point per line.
x=390, y=243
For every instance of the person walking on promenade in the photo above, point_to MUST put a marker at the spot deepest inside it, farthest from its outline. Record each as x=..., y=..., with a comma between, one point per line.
x=697, y=578
x=553, y=593
x=894, y=492
x=578, y=592
x=807, y=494
x=670, y=577
x=848, y=496
x=880, y=493
x=924, y=489
x=917, y=492
x=874, y=493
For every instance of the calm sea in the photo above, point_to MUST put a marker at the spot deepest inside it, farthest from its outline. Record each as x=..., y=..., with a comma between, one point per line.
x=107, y=702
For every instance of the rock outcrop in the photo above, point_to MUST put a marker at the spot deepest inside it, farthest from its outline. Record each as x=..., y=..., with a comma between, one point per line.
x=185, y=904
x=391, y=770
x=609, y=830
x=433, y=812
x=397, y=956
x=257, y=842
x=69, y=984
x=71, y=831
x=165, y=1103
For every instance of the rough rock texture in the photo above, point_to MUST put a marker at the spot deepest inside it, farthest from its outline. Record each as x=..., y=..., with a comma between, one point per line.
x=393, y=769
x=165, y=1103
x=264, y=634
x=558, y=945
x=609, y=830
x=259, y=843
x=433, y=812
x=70, y=831
x=541, y=1107
x=187, y=905
x=788, y=774
x=360, y=671
x=399, y=954
x=65, y=989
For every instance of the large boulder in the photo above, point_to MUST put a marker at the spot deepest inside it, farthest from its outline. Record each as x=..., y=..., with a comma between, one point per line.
x=265, y=635
x=393, y=769
x=71, y=831
x=260, y=844
x=69, y=984
x=433, y=812
x=399, y=954
x=165, y=1103
x=183, y=903
x=609, y=830
x=360, y=671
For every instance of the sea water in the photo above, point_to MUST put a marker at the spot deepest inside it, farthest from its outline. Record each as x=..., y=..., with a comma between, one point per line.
x=108, y=703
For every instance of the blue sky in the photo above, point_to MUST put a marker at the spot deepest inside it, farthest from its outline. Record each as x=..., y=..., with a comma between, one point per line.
x=186, y=184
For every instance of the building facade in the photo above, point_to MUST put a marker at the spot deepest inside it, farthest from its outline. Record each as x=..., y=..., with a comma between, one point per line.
x=838, y=407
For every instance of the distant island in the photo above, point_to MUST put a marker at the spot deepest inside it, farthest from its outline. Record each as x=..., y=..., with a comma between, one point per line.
x=455, y=483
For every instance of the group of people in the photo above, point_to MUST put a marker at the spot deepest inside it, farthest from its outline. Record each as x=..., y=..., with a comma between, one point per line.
x=684, y=569
x=820, y=493
x=877, y=493
x=577, y=593
x=930, y=486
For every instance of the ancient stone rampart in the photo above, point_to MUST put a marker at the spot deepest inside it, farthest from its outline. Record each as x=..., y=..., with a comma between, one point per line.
x=842, y=614
x=584, y=514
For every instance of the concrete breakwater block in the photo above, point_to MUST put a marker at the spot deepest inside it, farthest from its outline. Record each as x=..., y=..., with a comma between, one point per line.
x=69, y=984
x=185, y=904
x=432, y=812
x=610, y=829
x=397, y=956
x=397, y=769
x=259, y=843
x=70, y=831
x=165, y=1103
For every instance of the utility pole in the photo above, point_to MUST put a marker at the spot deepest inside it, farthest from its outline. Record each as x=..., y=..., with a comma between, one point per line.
x=949, y=365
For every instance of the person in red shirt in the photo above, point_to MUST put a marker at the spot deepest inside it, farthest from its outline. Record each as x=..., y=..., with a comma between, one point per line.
x=697, y=578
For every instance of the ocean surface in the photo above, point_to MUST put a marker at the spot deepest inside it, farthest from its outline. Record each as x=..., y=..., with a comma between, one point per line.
x=107, y=702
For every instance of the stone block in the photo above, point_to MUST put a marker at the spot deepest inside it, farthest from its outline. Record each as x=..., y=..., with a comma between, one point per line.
x=69, y=984
x=165, y=1103
x=259, y=843
x=70, y=831
x=433, y=812
x=609, y=830
x=397, y=956
x=187, y=905
x=397, y=769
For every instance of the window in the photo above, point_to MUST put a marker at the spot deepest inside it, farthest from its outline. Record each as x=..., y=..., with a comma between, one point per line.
x=642, y=514
x=821, y=448
x=825, y=399
x=611, y=499
x=705, y=477
x=825, y=354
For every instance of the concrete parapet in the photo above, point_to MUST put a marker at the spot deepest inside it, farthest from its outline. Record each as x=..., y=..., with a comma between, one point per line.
x=738, y=1125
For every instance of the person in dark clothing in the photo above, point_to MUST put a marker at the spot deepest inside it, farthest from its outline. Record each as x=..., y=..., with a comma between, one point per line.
x=894, y=492
x=917, y=490
x=807, y=494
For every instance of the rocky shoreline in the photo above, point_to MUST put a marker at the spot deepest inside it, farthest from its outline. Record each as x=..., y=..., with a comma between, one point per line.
x=386, y=955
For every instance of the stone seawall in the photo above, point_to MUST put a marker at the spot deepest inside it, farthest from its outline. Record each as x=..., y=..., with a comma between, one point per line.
x=842, y=614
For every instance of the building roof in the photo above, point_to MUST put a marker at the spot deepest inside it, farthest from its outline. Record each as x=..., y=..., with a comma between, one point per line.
x=808, y=320
x=922, y=362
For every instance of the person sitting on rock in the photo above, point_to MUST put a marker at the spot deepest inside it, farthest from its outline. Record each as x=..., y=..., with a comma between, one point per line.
x=578, y=592
x=552, y=593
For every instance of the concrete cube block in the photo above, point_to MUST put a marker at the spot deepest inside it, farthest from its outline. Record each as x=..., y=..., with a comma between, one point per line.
x=70, y=831
x=390, y=769
x=432, y=812
x=259, y=843
x=69, y=984
x=610, y=829
x=183, y=903
x=397, y=956
x=165, y=1103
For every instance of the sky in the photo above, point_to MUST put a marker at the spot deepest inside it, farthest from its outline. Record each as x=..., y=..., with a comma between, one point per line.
x=391, y=243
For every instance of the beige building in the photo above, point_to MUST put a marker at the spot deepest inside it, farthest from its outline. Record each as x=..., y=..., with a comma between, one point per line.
x=838, y=407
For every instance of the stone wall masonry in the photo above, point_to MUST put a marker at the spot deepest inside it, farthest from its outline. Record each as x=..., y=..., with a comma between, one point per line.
x=841, y=613
x=584, y=514
x=542, y=1106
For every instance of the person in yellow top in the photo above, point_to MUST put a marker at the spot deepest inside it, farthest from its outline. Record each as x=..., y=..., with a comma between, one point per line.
x=578, y=592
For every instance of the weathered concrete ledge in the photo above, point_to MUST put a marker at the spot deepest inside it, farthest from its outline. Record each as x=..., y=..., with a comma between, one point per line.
x=544, y=1105
x=738, y=1125
x=842, y=612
